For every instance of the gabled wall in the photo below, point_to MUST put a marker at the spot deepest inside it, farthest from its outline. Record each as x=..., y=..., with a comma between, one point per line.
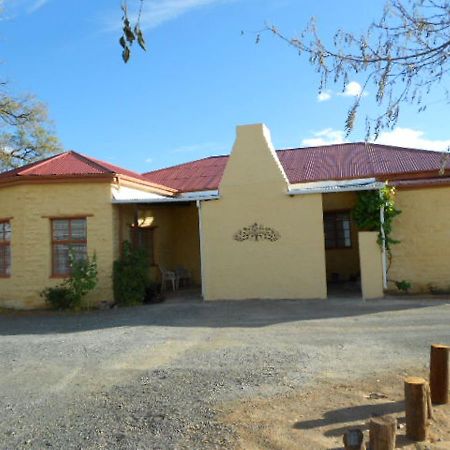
x=254, y=190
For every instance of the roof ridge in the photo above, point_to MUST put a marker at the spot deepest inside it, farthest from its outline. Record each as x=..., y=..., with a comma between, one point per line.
x=319, y=146
x=187, y=162
x=100, y=163
x=27, y=167
x=398, y=147
x=91, y=161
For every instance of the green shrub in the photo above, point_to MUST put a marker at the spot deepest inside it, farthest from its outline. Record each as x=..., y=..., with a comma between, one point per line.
x=403, y=285
x=69, y=294
x=130, y=276
x=59, y=297
x=83, y=277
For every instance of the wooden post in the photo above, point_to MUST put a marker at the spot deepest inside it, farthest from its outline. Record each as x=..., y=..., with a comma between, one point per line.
x=354, y=440
x=439, y=374
x=417, y=408
x=382, y=433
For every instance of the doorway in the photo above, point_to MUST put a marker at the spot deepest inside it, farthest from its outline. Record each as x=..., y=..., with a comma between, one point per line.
x=341, y=245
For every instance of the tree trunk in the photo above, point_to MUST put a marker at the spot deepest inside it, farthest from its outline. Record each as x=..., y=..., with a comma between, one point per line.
x=354, y=440
x=439, y=374
x=382, y=433
x=417, y=408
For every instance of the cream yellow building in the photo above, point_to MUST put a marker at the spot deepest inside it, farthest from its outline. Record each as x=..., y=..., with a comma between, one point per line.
x=259, y=223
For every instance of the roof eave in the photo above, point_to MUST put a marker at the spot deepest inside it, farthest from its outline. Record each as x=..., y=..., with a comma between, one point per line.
x=36, y=179
x=158, y=188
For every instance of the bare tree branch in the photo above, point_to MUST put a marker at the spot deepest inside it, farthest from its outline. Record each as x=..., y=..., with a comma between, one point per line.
x=405, y=54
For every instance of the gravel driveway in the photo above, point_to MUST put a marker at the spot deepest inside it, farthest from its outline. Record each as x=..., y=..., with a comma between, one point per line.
x=159, y=376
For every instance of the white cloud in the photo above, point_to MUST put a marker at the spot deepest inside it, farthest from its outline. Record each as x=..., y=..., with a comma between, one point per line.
x=353, y=89
x=408, y=137
x=38, y=4
x=327, y=136
x=13, y=8
x=401, y=137
x=149, y=160
x=324, y=96
x=157, y=12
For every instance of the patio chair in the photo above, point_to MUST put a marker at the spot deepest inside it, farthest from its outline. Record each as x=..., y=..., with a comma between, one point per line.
x=184, y=277
x=168, y=276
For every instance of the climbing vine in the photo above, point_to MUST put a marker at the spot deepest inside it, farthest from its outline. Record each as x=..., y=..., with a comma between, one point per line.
x=367, y=213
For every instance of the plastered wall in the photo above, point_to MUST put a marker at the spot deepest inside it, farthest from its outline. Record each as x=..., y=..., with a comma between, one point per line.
x=371, y=265
x=254, y=190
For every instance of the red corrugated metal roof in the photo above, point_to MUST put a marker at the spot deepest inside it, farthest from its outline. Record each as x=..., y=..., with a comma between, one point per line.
x=73, y=164
x=330, y=162
x=201, y=175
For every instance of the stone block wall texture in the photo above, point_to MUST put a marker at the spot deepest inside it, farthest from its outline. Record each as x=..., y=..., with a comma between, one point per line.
x=423, y=228
x=31, y=207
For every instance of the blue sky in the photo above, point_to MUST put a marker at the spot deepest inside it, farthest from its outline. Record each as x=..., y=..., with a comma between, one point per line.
x=200, y=78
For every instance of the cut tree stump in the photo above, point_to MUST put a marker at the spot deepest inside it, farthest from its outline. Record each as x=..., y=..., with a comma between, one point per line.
x=417, y=408
x=354, y=440
x=439, y=374
x=382, y=433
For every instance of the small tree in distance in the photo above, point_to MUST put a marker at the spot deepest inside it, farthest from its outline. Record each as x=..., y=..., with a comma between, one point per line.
x=25, y=131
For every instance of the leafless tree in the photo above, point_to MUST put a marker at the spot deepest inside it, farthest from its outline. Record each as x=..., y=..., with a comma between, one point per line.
x=404, y=54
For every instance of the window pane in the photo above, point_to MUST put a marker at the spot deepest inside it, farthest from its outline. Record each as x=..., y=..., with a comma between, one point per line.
x=78, y=229
x=5, y=231
x=60, y=230
x=61, y=259
x=78, y=251
x=5, y=260
x=337, y=230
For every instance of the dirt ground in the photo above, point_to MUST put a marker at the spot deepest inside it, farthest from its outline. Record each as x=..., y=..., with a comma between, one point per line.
x=317, y=417
x=219, y=375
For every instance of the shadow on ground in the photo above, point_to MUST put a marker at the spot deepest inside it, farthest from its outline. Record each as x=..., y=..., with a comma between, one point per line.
x=361, y=414
x=195, y=313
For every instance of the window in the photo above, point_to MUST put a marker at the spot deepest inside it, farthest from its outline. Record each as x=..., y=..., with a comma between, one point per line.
x=142, y=238
x=68, y=235
x=338, y=229
x=5, y=248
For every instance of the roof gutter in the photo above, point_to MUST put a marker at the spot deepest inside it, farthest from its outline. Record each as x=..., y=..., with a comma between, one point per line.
x=326, y=187
x=184, y=198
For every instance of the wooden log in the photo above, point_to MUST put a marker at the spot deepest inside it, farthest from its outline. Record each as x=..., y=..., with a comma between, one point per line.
x=439, y=373
x=417, y=408
x=382, y=433
x=354, y=440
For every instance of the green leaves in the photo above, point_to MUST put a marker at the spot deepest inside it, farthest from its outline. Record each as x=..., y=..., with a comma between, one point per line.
x=25, y=131
x=69, y=294
x=367, y=213
x=130, y=276
x=140, y=37
x=130, y=34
